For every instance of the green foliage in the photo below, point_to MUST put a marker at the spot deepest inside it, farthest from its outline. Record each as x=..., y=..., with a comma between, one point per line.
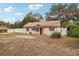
x=64, y=24
x=77, y=23
x=29, y=18
x=55, y=35
x=73, y=31
x=18, y=25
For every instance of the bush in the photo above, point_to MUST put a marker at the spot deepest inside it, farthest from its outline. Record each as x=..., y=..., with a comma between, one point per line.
x=73, y=31
x=56, y=35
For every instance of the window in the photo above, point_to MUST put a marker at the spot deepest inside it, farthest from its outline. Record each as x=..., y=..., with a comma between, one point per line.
x=51, y=29
x=27, y=29
x=35, y=29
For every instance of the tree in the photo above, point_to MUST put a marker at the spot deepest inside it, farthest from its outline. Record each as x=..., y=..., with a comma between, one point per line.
x=38, y=16
x=65, y=11
x=9, y=25
x=30, y=17
x=18, y=24
x=56, y=11
x=73, y=30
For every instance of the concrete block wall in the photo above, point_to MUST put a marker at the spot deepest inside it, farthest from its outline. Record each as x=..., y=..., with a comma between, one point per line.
x=62, y=31
x=46, y=31
x=20, y=30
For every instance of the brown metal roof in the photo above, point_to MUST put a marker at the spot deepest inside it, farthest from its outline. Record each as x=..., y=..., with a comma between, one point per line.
x=43, y=24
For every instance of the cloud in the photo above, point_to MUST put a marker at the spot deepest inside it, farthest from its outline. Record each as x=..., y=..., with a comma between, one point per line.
x=35, y=6
x=9, y=9
x=18, y=13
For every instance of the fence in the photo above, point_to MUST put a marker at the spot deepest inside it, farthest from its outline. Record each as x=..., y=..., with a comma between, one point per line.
x=18, y=30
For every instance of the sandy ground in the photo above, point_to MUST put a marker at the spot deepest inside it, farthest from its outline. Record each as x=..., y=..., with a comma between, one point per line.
x=21, y=45
x=24, y=36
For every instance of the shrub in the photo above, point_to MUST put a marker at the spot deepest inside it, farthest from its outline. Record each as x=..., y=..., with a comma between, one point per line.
x=56, y=35
x=73, y=31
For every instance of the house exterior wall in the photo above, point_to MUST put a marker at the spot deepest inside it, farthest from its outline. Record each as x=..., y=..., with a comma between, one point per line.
x=46, y=31
x=58, y=29
x=62, y=31
x=33, y=31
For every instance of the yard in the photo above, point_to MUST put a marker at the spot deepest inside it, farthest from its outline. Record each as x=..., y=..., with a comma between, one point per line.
x=17, y=44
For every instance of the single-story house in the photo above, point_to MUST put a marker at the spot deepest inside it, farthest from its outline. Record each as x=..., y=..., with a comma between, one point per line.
x=44, y=28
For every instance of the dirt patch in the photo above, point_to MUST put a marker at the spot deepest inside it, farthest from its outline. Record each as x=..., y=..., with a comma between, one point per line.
x=25, y=36
x=20, y=45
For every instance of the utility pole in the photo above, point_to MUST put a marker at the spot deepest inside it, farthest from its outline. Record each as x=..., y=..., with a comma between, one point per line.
x=14, y=26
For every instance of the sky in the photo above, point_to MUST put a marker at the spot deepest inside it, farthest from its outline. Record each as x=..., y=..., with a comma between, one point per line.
x=11, y=12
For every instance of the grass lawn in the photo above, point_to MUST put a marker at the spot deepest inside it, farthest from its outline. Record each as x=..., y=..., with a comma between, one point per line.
x=36, y=45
